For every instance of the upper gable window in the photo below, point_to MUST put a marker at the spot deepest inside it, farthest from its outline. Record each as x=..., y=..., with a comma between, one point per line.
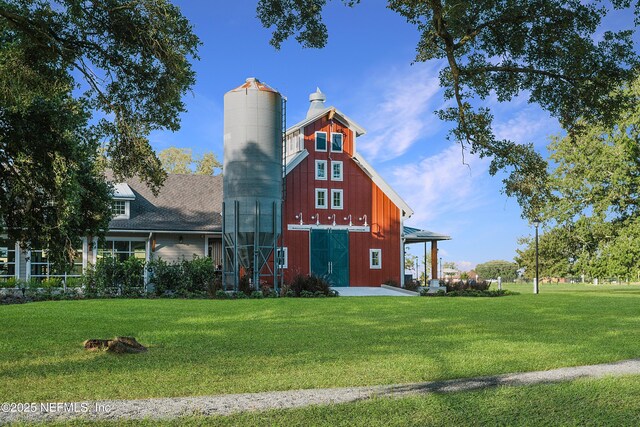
x=321, y=141
x=120, y=209
x=336, y=142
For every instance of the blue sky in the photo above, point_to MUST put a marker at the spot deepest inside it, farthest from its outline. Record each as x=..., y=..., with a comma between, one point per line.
x=365, y=71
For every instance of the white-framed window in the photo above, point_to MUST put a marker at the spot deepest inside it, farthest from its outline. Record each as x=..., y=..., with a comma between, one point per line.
x=283, y=257
x=321, y=198
x=8, y=257
x=336, y=171
x=375, y=259
x=120, y=209
x=123, y=249
x=336, y=142
x=321, y=141
x=336, y=199
x=41, y=266
x=321, y=169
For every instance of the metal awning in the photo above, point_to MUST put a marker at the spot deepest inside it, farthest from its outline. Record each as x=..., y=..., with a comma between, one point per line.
x=415, y=235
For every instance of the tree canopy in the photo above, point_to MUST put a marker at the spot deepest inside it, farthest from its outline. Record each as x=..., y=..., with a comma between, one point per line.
x=508, y=271
x=548, y=51
x=180, y=160
x=76, y=75
x=592, y=215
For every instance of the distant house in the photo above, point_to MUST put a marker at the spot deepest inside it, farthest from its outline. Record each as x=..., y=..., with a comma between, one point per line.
x=340, y=219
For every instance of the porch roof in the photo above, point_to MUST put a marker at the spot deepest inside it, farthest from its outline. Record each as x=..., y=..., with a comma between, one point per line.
x=415, y=235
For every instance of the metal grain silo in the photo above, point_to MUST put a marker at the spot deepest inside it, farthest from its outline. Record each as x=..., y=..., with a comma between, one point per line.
x=252, y=180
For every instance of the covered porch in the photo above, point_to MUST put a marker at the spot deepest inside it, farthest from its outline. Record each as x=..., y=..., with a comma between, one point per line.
x=412, y=235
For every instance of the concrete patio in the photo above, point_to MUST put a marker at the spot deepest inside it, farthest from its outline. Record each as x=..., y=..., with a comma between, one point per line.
x=370, y=291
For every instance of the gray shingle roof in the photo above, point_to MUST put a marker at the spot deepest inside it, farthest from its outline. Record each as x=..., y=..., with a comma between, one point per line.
x=185, y=203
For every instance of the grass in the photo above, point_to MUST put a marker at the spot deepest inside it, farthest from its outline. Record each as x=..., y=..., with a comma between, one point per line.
x=200, y=347
x=602, y=402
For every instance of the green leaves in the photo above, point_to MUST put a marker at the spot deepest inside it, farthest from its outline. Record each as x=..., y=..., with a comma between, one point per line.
x=75, y=75
x=547, y=51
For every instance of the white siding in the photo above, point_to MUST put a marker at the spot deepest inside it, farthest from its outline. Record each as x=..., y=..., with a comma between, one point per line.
x=169, y=248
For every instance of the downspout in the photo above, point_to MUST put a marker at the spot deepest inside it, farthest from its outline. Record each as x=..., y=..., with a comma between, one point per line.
x=401, y=248
x=148, y=259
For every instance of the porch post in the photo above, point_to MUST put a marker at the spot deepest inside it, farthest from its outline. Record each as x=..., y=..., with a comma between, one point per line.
x=434, y=260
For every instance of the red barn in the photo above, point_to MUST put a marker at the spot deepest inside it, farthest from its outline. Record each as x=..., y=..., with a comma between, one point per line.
x=340, y=218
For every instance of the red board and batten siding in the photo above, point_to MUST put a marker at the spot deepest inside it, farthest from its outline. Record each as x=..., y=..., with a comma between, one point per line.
x=360, y=197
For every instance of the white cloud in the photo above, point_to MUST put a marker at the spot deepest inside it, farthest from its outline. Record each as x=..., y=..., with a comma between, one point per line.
x=399, y=110
x=441, y=188
x=527, y=125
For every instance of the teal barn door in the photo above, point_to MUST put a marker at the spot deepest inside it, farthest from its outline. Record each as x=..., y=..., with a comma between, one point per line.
x=330, y=255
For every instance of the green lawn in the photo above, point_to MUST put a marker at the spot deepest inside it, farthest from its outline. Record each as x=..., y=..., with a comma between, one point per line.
x=587, y=402
x=200, y=347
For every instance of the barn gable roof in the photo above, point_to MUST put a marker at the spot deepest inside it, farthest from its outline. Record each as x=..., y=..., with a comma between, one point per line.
x=337, y=114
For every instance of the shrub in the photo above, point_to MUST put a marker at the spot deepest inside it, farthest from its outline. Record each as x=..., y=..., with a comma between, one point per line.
x=470, y=293
x=412, y=285
x=467, y=285
x=74, y=282
x=244, y=285
x=215, y=285
x=51, y=282
x=12, y=282
x=312, y=286
x=113, y=278
x=220, y=294
x=391, y=282
x=256, y=295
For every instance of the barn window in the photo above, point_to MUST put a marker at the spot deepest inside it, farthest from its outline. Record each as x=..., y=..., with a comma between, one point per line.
x=336, y=171
x=321, y=141
x=336, y=142
x=336, y=199
x=321, y=198
x=375, y=258
x=282, y=257
x=321, y=169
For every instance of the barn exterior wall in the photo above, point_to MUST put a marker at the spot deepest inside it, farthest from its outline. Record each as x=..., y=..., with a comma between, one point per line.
x=361, y=196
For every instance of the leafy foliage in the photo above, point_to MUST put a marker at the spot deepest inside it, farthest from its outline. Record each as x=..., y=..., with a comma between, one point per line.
x=592, y=214
x=467, y=285
x=186, y=278
x=508, y=271
x=543, y=50
x=113, y=278
x=179, y=160
x=73, y=75
x=307, y=286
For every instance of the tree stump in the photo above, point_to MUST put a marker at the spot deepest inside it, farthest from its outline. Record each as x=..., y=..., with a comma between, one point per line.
x=117, y=345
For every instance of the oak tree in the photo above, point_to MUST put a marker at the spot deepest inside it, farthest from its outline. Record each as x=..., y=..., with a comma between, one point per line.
x=548, y=51
x=76, y=75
